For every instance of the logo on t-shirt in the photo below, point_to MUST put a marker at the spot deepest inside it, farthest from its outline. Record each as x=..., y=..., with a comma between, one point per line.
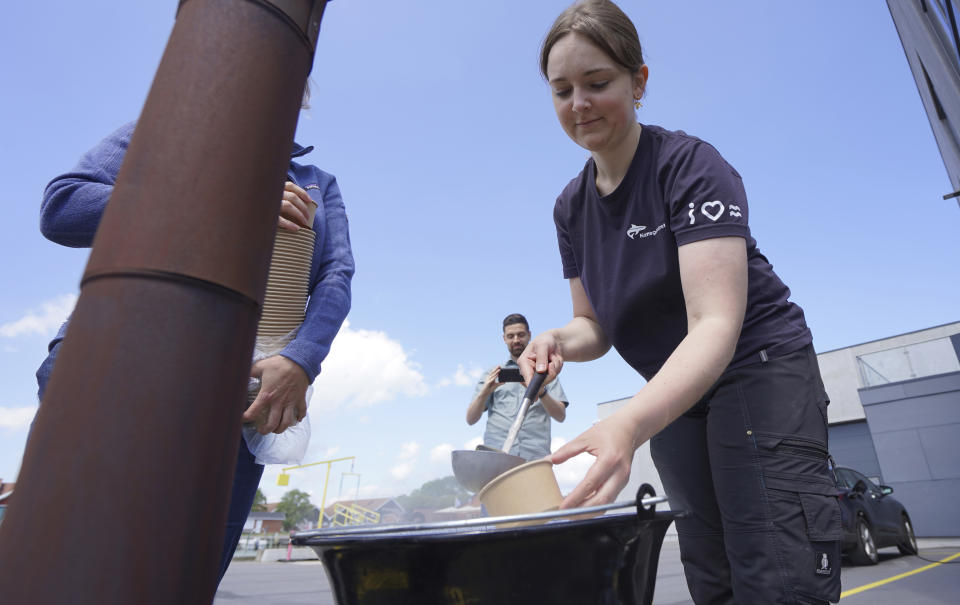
x=635, y=230
x=713, y=211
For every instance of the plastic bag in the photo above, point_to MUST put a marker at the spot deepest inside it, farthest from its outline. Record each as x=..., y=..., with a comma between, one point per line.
x=290, y=446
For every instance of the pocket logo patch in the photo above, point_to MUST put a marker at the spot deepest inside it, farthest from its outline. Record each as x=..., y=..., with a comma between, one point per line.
x=823, y=564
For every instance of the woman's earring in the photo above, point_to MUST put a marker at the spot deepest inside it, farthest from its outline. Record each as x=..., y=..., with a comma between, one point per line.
x=637, y=104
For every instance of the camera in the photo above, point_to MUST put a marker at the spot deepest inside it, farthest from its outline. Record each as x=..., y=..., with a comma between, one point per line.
x=510, y=375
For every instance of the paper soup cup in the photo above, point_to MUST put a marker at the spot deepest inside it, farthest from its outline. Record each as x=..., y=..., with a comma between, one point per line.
x=529, y=488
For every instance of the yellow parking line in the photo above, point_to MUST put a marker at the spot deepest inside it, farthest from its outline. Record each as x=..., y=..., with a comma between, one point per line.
x=854, y=591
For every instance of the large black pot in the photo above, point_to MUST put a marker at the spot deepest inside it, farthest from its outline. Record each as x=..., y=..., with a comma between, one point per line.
x=606, y=559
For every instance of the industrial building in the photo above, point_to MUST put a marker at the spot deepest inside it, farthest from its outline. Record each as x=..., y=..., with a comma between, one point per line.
x=894, y=415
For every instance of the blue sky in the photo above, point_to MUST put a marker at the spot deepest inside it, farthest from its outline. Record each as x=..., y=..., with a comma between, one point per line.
x=442, y=135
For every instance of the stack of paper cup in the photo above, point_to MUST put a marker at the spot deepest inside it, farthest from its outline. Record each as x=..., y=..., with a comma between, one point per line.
x=288, y=281
x=286, y=298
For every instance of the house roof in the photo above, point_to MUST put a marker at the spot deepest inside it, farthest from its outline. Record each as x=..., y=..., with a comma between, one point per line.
x=6, y=488
x=264, y=515
x=459, y=509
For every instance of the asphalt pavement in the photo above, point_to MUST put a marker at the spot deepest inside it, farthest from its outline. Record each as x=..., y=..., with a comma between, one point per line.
x=894, y=581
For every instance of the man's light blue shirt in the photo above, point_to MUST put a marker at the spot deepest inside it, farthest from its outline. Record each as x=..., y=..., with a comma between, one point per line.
x=533, y=440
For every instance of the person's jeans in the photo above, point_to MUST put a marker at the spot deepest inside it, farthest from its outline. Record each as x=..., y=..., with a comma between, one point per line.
x=246, y=478
x=749, y=463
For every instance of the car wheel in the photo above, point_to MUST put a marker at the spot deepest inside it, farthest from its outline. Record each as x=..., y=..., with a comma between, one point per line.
x=865, y=551
x=908, y=546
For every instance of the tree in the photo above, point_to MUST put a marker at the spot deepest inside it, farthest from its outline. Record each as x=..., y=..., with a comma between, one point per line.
x=439, y=493
x=296, y=506
x=259, y=502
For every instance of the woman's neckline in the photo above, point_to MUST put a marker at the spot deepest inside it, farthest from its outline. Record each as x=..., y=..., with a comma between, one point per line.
x=612, y=190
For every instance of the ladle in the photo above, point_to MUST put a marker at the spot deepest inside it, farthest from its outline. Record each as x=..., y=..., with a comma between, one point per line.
x=475, y=468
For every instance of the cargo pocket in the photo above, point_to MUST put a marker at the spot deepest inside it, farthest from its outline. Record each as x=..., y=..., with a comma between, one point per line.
x=805, y=514
x=794, y=464
x=824, y=531
x=807, y=535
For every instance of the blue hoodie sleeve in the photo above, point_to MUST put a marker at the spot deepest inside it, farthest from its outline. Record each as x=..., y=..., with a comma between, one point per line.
x=73, y=203
x=329, y=300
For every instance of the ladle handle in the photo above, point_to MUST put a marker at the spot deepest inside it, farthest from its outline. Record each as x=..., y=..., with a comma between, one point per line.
x=532, y=389
x=536, y=383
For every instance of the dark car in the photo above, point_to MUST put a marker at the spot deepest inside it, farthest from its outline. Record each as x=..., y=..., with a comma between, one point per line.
x=872, y=518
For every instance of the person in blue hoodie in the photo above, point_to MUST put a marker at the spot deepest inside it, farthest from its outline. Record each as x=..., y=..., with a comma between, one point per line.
x=73, y=204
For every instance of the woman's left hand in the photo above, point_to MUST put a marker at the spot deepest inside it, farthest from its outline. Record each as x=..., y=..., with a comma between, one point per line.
x=612, y=442
x=294, y=207
x=613, y=448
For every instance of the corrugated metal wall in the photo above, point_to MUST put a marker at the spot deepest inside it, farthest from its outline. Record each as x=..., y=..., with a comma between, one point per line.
x=916, y=433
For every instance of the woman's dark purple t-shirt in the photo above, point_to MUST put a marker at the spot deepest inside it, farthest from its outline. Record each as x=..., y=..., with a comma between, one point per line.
x=623, y=247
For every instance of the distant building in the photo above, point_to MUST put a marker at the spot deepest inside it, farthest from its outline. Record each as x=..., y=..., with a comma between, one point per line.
x=6, y=493
x=264, y=522
x=459, y=511
x=894, y=415
x=455, y=513
x=272, y=518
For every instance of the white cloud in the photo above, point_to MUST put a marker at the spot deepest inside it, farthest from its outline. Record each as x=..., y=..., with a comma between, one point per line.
x=320, y=450
x=44, y=322
x=17, y=418
x=463, y=377
x=571, y=472
x=402, y=470
x=409, y=450
x=406, y=460
x=441, y=453
x=331, y=453
x=364, y=368
x=473, y=443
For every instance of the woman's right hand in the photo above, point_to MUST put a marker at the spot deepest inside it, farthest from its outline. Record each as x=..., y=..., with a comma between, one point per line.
x=543, y=354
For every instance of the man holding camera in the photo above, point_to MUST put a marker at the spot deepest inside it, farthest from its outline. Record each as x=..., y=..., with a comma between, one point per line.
x=501, y=394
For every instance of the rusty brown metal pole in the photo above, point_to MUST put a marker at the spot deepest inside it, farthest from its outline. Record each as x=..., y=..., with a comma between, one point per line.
x=123, y=492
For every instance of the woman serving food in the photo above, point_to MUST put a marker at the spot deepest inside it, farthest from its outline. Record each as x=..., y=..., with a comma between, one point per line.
x=662, y=266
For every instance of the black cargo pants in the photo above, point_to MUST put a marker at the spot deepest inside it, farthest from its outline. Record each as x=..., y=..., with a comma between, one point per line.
x=749, y=462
